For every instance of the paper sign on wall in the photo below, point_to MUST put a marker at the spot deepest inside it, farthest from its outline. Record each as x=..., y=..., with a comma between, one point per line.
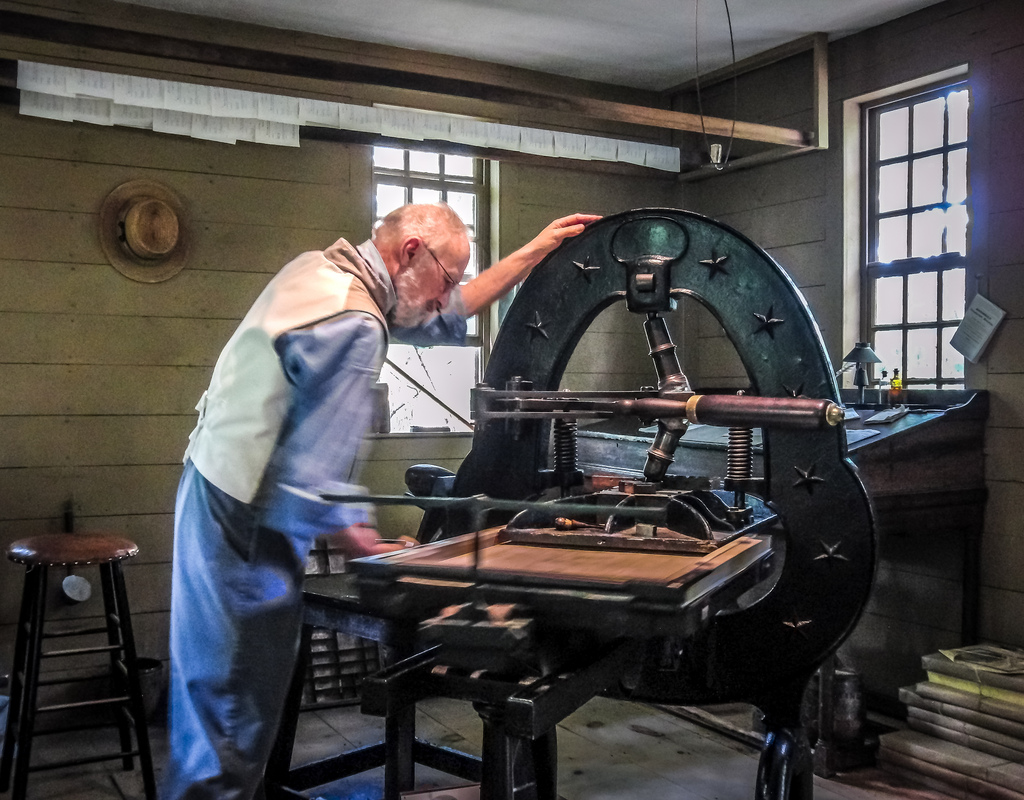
x=979, y=323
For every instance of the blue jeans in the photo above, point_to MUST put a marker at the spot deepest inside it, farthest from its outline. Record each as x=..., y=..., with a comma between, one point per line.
x=236, y=611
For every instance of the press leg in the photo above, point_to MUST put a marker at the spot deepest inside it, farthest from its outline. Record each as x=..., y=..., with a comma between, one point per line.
x=545, y=765
x=784, y=771
x=280, y=761
x=498, y=781
x=399, y=767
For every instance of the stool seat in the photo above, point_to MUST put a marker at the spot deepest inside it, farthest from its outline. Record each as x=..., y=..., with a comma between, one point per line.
x=53, y=549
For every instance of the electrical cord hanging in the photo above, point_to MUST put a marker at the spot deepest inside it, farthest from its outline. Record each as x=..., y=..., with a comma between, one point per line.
x=720, y=164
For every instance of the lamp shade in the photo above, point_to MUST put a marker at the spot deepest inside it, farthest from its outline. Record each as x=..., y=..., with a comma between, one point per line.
x=861, y=354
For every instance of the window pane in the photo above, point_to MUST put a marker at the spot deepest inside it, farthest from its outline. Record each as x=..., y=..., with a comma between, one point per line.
x=956, y=179
x=892, y=187
x=447, y=372
x=908, y=231
x=892, y=133
x=471, y=270
x=952, y=361
x=389, y=158
x=424, y=162
x=953, y=293
x=927, y=181
x=388, y=198
x=956, y=230
x=420, y=195
x=463, y=204
x=926, y=237
x=459, y=165
x=889, y=348
x=921, y=353
x=958, y=104
x=892, y=239
x=928, y=124
x=889, y=300
x=440, y=376
x=922, y=296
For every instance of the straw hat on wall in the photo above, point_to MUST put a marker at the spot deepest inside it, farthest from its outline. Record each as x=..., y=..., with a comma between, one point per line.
x=143, y=231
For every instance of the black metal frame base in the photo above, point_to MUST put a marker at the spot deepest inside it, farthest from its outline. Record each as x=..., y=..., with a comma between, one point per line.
x=519, y=719
x=398, y=753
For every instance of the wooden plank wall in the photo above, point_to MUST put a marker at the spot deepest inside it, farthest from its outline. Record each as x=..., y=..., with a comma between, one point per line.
x=100, y=374
x=794, y=208
x=777, y=207
x=613, y=353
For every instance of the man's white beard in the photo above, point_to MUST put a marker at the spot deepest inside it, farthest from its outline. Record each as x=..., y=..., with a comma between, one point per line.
x=411, y=308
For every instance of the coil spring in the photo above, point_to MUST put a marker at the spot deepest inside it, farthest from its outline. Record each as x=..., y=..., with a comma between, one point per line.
x=565, y=448
x=740, y=456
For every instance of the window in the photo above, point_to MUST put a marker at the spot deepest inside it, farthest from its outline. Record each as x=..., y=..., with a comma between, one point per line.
x=918, y=234
x=429, y=387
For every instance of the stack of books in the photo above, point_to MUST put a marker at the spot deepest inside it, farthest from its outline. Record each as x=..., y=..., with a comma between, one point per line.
x=966, y=725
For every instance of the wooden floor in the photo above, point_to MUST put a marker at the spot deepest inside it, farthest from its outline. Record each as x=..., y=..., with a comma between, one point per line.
x=608, y=749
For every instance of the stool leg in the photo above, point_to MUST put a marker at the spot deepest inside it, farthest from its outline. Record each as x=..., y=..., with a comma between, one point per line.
x=26, y=725
x=29, y=592
x=134, y=689
x=118, y=665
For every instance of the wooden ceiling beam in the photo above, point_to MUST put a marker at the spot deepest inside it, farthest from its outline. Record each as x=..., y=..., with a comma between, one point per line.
x=335, y=67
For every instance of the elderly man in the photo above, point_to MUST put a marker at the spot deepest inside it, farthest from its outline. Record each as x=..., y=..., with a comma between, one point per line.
x=280, y=425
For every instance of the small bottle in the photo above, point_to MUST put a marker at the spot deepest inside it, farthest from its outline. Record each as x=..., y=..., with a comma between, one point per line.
x=883, y=388
x=896, y=387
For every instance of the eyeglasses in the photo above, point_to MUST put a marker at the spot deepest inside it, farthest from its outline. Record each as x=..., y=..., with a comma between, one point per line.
x=452, y=283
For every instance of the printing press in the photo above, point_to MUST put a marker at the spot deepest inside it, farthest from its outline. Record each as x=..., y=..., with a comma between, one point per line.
x=543, y=585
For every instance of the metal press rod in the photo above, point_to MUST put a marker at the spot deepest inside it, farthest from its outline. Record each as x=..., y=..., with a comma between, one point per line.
x=724, y=410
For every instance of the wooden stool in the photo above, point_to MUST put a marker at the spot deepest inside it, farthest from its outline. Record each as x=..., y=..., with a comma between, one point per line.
x=38, y=554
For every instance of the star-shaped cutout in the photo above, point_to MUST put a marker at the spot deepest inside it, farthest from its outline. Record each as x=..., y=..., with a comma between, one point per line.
x=768, y=322
x=796, y=623
x=714, y=265
x=830, y=552
x=537, y=326
x=586, y=267
x=807, y=478
x=799, y=390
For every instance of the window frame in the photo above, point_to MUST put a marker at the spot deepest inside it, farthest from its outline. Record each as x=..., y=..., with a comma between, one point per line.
x=872, y=269
x=479, y=184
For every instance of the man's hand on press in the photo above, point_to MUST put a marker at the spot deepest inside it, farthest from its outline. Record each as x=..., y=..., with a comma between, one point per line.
x=361, y=540
x=495, y=282
x=559, y=230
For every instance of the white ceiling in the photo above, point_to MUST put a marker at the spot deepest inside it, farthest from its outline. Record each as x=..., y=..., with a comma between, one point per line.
x=641, y=43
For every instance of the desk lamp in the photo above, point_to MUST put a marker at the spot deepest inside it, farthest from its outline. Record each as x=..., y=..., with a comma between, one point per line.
x=860, y=355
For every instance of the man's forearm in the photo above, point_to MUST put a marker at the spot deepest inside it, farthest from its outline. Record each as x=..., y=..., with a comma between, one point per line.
x=495, y=282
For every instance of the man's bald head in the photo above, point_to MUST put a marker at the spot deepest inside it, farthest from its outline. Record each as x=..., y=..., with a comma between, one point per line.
x=434, y=223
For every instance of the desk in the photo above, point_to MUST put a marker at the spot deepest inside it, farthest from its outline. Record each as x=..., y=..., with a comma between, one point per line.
x=331, y=602
x=926, y=478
